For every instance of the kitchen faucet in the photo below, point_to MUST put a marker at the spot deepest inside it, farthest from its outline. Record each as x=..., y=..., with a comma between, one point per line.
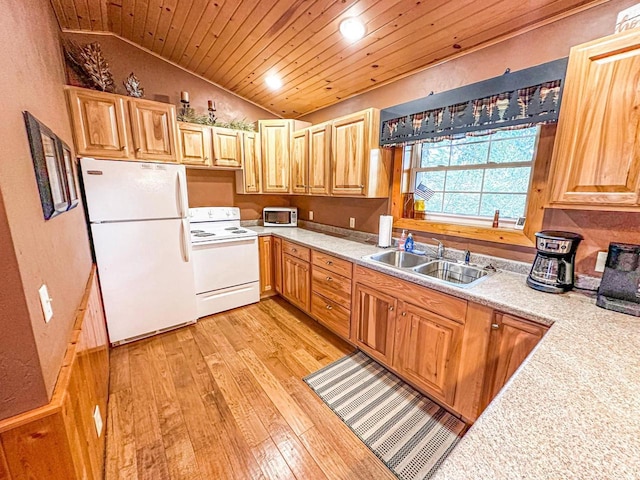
x=440, y=251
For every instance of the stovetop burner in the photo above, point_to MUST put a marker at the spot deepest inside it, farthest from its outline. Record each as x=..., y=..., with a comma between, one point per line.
x=231, y=228
x=197, y=231
x=238, y=231
x=204, y=234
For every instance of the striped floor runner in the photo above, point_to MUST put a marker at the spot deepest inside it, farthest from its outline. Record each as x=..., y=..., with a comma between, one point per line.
x=409, y=433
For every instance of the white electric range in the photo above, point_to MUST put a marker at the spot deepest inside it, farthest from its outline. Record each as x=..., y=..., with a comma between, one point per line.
x=225, y=260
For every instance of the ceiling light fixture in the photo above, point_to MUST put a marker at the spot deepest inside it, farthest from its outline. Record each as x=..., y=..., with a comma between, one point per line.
x=352, y=29
x=273, y=82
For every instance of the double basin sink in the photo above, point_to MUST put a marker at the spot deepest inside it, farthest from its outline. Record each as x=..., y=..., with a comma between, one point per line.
x=443, y=270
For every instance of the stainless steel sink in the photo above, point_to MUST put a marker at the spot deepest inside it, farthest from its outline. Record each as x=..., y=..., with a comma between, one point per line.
x=454, y=273
x=400, y=259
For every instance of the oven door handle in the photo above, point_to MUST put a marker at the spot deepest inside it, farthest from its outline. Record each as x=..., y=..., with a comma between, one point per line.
x=186, y=240
x=222, y=242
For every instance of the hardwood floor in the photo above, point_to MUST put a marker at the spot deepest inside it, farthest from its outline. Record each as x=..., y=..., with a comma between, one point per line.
x=225, y=399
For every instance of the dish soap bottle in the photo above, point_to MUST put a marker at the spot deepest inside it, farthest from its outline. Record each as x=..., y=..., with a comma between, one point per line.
x=403, y=239
x=408, y=244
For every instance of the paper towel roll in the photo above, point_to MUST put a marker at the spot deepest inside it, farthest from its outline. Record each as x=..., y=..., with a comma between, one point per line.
x=385, y=230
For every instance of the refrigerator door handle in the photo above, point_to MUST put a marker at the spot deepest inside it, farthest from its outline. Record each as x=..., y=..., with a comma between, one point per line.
x=182, y=193
x=186, y=240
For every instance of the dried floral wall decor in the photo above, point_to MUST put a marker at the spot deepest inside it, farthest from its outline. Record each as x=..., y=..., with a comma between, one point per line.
x=132, y=86
x=90, y=66
x=189, y=115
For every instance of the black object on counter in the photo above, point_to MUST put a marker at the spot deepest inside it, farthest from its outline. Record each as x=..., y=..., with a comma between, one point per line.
x=553, y=267
x=620, y=286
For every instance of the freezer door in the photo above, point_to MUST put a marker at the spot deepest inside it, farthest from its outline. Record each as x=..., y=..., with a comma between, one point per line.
x=117, y=190
x=146, y=275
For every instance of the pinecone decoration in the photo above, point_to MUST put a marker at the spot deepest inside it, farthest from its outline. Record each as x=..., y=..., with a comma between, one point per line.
x=72, y=55
x=132, y=85
x=97, y=67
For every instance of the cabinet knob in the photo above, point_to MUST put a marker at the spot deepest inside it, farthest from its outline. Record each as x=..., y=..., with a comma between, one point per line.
x=495, y=326
x=329, y=307
x=391, y=308
x=404, y=314
x=138, y=149
x=329, y=262
x=206, y=159
x=361, y=186
x=123, y=147
x=329, y=279
x=294, y=250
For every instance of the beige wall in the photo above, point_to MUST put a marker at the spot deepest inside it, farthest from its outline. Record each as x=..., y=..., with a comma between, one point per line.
x=55, y=252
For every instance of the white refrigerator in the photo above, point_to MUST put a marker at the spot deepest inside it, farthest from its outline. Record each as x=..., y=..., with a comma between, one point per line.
x=138, y=214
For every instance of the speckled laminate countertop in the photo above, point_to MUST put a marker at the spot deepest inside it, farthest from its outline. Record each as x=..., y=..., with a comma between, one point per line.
x=572, y=410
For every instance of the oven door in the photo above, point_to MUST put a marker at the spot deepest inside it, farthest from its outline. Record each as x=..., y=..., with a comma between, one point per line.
x=226, y=263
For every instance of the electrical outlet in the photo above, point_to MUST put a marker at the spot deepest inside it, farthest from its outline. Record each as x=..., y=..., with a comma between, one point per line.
x=352, y=222
x=97, y=418
x=600, y=262
x=310, y=214
x=45, y=301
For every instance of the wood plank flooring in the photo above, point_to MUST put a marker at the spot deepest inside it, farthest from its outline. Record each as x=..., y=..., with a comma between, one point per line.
x=224, y=399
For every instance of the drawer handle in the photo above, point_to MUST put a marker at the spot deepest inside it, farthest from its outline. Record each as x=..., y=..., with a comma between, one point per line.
x=329, y=307
x=495, y=326
x=294, y=250
x=391, y=308
x=329, y=279
x=404, y=314
x=329, y=262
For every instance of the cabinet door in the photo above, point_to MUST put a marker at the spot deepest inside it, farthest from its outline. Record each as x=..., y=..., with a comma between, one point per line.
x=251, y=162
x=265, y=248
x=277, y=264
x=227, y=147
x=597, y=149
x=428, y=350
x=349, y=153
x=153, y=125
x=195, y=144
x=99, y=124
x=512, y=339
x=319, y=159
x=296, y=282
x=373, y=322
x=275, y=137
x=299, y=161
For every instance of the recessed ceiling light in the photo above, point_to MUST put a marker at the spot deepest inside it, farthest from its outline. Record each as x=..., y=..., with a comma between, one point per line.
x=273, y=82
x=352, y=29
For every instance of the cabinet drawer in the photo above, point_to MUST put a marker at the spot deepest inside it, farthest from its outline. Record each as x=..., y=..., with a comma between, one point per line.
x=295, y=250
x=333, y=316
x=333, y=264
x=331, y=286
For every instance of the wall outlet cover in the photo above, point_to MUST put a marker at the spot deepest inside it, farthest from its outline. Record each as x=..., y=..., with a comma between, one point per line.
x=97, y=418
x=352, y=222
x=601, y=261
x=310, y=214
x=45, y=301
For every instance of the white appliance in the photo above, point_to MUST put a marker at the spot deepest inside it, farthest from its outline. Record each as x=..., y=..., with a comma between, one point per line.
x=225, y=260
x=140, y=232
x=280, y=216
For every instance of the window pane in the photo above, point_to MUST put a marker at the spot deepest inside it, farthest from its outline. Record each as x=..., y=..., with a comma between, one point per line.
x=433, y=180
x=507, y=180
x=464, y=180
x=461, y=203
x=510, y=206
x=434, y=204
x=520, y=132
x=512, y=150
x=470, y=154
x=435, y=155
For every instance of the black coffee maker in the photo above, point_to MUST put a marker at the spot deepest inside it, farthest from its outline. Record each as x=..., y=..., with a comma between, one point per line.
x=620, y=286
x=553, y=267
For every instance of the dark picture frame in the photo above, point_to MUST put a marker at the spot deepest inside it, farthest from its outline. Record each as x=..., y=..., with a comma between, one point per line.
x=53, y=165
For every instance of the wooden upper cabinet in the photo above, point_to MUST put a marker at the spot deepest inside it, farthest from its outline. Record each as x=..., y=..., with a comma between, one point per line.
x=248, y=179
x=319, y=159
x=596, y=160
x=194, y=144
x=427, y=350
x=350, y=150
x=99, y=123
x=512, y=339
x=373, y=322
x=300, y=162
x=227, y=147
x=275, y=136
x=153, y=125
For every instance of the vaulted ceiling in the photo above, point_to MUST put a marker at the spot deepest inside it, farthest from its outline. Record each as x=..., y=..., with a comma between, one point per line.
x=236, y=43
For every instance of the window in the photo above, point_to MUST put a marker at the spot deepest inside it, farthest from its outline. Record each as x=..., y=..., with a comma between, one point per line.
x=473, y=176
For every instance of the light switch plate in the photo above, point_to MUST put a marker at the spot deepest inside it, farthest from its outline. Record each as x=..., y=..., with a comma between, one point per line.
x=352, y=222
x=601, y=262
x=97, y=418
x=310, y=214
x=45, y=301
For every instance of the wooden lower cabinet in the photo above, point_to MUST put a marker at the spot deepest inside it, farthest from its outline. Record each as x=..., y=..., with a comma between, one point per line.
x=512, y=340
x=373, y=322
x=427, y=350
x=332, y=315
x=296, y=282
x=277, y=264
x=265, y=250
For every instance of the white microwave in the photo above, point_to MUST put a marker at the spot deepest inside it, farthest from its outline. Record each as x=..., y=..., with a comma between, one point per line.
x=280, y=216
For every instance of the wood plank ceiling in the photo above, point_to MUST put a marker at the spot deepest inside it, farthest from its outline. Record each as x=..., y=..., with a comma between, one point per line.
x=236, y=43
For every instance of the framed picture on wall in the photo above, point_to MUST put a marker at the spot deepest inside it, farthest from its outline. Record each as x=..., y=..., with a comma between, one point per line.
x=70, y=177
x=49, y=167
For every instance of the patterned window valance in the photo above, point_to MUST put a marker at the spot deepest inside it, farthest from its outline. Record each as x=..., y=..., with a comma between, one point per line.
x=514, y=100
